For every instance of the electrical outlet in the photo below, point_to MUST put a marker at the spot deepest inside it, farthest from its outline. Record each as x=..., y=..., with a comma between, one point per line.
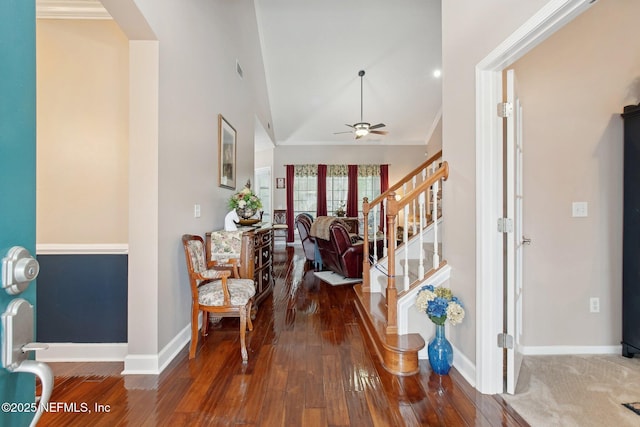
x=580, y=209
x=594, y=305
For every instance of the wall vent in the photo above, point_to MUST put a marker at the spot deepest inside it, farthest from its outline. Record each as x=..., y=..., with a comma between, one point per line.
x=239, y=69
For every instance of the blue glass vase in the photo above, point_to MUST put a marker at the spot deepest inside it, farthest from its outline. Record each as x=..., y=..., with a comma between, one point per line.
x=440, y=352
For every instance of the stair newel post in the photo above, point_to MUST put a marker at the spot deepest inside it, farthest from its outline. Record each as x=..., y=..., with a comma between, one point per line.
x=366, y=273
x=392, y=292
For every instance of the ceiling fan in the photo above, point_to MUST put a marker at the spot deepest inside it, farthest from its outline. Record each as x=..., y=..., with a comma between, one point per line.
x=363, y=128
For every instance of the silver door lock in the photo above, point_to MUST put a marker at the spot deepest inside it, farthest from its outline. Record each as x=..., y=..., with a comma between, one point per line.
x=19, y=268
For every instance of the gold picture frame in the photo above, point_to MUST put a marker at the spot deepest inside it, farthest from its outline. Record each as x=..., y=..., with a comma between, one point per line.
x=227, y=143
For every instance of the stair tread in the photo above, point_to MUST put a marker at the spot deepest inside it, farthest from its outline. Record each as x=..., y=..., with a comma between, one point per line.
x=374, y=305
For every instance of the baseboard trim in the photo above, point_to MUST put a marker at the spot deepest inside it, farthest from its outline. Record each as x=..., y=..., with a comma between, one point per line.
x=465, y=366
x=83, y=352
x=154, y=364
x=82, y=248
x=568, y=349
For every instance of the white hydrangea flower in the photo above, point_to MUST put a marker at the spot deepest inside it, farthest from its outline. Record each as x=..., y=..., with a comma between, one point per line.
x=455, y=313
x=423, y=298
x=241, y=204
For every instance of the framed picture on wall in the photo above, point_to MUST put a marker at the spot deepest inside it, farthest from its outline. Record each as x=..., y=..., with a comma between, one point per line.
x=280, y=183
x=227, y=139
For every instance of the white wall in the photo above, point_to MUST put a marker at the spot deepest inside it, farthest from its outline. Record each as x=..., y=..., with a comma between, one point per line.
x=82, y=189
x=198, y=45
x=572, y=138
x=574, y=87
x=470, y=31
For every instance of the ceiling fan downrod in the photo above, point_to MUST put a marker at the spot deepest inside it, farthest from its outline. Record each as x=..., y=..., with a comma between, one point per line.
x=361, y=74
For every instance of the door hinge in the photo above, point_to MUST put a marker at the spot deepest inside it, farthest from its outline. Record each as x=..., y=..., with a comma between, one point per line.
x=505, y=225
x=505, y=341
x=505, y=109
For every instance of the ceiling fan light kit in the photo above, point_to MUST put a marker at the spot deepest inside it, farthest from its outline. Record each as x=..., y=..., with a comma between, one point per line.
x=363, y=128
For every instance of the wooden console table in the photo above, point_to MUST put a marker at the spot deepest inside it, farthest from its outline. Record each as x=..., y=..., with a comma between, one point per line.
x=253, y=246
x=256, y=259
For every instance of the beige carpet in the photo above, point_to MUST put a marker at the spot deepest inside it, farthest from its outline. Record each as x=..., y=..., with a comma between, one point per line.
x=577, y=390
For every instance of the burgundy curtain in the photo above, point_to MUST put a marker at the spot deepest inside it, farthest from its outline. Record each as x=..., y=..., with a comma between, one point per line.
x=290, y=219
x=384, y=186
x=321, y=206
x=352, y=191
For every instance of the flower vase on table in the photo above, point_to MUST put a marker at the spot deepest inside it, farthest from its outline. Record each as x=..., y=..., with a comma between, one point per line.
x=245, y=203
x=441, y=306
x=245, y=213
x=440, y=352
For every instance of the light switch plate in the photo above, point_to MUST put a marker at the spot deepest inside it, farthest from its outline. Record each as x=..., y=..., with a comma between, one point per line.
x=579, y=209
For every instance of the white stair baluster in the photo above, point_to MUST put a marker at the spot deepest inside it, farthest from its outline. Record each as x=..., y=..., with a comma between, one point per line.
x=413, y=205
x=405, y=239
x=383, y=222
x=422, y=254
x=434, y=216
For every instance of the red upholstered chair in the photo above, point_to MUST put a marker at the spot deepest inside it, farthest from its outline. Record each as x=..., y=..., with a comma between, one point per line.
x=303, y=224
x=342, y=253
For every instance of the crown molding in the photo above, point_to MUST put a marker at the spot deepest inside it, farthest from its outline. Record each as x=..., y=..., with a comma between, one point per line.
x=71, y=9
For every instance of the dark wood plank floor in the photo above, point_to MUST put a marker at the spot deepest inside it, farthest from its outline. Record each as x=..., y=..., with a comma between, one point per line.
x=309, y=365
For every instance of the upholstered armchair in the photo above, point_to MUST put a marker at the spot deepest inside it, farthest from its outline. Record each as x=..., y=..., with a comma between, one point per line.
x=343, y=252
x=303, y=224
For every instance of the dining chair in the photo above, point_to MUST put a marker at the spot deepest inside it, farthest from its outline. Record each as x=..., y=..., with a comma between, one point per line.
x=280, y=227
x=212, y=291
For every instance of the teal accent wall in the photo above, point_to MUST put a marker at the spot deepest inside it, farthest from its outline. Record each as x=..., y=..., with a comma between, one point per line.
x=17, y=167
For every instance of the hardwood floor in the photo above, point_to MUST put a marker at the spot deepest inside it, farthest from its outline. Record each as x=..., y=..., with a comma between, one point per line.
x=309, y=365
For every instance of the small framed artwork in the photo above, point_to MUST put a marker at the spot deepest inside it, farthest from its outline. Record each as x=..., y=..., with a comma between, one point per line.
x=280, y=182
x=227, y=139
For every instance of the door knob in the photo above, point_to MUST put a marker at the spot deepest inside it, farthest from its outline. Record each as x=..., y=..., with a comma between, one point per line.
x=17, y=325
x=526, y=240
x=19, y=268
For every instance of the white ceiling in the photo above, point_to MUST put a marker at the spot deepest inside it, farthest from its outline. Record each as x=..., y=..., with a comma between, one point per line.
x=313, y=50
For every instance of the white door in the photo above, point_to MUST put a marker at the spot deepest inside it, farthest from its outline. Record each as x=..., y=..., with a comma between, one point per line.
x=515, y=239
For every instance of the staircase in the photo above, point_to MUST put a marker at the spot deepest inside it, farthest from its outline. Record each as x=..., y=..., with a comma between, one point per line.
x=410, y=228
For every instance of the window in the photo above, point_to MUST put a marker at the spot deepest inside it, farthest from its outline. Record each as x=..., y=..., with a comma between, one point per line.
x=369, y=187
x=263, y=190
x=305, y=190
x=337, y=185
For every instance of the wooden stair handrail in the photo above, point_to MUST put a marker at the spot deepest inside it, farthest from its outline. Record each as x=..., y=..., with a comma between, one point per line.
x=406, y=178
x=442, y=172
x=393, y=206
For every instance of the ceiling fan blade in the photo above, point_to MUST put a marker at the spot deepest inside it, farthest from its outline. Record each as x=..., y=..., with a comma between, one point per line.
x=338, y=133
x=351, y=126
x=379, y=132
x=379, y=125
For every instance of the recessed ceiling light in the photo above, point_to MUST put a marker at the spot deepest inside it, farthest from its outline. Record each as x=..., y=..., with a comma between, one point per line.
x=437, y=73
